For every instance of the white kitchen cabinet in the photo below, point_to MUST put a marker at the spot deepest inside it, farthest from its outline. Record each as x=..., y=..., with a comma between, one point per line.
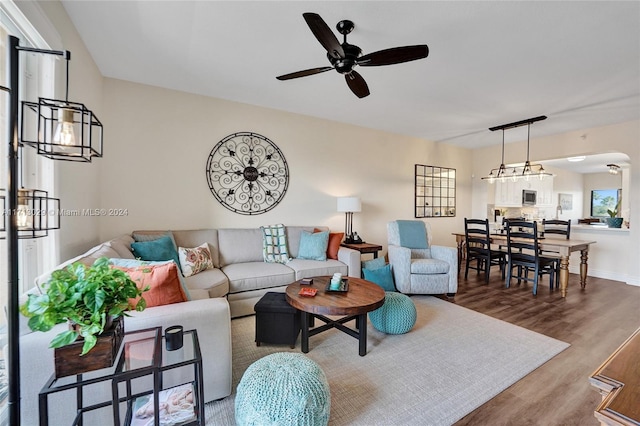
x=543, y=188
x=509, y=193
x=545, y=192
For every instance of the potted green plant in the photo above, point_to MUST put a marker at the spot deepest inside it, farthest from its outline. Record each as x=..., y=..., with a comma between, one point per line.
x=88, y=298
x=613, y=221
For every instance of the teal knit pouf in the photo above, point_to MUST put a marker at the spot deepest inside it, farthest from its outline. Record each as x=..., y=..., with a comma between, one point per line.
x=397, y=315
x=283, y=389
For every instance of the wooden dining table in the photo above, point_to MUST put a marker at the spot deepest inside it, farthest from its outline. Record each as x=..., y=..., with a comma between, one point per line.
x=563, y=247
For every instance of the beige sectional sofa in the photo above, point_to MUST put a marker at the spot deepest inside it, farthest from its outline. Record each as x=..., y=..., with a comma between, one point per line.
x=240, y=273
x=238, y=280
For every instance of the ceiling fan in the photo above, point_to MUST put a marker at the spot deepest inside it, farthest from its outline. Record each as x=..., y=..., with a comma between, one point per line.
x=344, y=57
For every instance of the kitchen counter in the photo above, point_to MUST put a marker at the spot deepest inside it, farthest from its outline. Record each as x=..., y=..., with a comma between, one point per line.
x=610, y=256
x=597, y=228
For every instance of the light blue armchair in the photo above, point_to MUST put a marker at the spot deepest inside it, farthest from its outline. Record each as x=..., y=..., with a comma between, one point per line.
x=419, y=267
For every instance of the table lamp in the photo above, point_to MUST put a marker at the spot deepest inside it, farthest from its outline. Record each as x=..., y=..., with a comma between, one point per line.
x=349, y=205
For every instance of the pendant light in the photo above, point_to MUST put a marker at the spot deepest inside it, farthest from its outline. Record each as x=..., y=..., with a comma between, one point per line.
x=518, y=172
x=500, y=172
x=65, y=131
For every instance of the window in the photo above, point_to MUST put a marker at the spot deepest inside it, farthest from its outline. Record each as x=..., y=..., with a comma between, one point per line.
x=37, y=172
x=603, y=200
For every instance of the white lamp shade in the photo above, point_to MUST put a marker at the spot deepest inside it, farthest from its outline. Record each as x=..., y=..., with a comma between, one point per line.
x=349, y=204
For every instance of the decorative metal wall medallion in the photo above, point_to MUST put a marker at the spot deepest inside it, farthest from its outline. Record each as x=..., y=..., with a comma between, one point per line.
x=247, y=173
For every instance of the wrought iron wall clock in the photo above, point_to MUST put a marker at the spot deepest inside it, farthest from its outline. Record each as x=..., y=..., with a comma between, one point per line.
x=247, y=173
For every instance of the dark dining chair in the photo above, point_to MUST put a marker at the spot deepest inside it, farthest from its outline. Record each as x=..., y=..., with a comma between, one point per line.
x=551, y=228
x=523, y=254
x=478, y=245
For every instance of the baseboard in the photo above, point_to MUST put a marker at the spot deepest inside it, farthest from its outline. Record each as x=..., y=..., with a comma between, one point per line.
x=608, y=275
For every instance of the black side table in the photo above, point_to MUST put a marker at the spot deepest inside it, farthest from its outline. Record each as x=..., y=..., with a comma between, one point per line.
x=142, y=354
x=364, y=248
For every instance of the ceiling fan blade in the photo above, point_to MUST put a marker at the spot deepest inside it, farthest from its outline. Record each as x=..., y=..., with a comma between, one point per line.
x=395, y=55
x=323, y=33
x=304, y=73
x=357, y=84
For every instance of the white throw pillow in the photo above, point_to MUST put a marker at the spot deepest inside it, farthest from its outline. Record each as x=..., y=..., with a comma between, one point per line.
x=194, y=260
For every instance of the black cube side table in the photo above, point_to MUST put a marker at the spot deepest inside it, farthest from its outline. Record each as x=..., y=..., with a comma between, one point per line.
x=276, y=320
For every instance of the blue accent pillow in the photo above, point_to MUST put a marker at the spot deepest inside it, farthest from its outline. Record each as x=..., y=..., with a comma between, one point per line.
x=374, y=263
x=381, y=276
x=162, y=248
x=313, y=246
x=134, y=263
x=412, y=234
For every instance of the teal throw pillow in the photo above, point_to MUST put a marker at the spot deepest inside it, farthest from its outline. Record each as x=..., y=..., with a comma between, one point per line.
x=313, y=246
x=162, y=248
x=381, y=276
x=134, y=263
x=374, y=263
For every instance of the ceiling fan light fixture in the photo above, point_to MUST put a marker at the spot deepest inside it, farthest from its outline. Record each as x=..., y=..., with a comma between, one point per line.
x=344, y=56
x=613, y=169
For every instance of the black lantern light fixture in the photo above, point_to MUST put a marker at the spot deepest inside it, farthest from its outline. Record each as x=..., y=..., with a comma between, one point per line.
x=36, y=213
x=66, y=130
x=528, y=170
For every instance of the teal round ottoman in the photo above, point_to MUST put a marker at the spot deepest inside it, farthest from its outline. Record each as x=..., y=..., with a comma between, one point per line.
x=396, y=316
x=283, y=389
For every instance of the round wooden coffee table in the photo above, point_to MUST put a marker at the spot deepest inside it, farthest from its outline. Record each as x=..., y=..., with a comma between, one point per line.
x=363, y=296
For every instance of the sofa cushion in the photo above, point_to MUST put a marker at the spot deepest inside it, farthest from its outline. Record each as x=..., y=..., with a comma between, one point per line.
x=240, y=245
x=257, y=275
x=429, y=266
x=163, y=281
x=122, y=245
x=195, y=260
x=162, y=248
x=315, y=268
x=193, y=238
x=313, y=246
x=103, y=251
x=213, y=281
x=86, y=259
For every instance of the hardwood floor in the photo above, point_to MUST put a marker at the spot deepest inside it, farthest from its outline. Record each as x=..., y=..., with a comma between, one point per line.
x=595, y=321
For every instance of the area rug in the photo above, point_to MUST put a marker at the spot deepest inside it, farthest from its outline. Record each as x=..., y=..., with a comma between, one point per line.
x=450, y=363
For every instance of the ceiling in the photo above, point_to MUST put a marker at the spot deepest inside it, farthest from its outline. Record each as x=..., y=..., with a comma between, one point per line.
x=591, y=164
x=490, y=63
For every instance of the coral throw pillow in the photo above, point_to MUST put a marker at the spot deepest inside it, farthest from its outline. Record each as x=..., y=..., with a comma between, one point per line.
x=163, y=281
x=194, y=260
x=335, y=238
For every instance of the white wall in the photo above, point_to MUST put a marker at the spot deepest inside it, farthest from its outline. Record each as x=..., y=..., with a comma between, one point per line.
x=566, y=182
x=159, y=140
x=623, y=137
